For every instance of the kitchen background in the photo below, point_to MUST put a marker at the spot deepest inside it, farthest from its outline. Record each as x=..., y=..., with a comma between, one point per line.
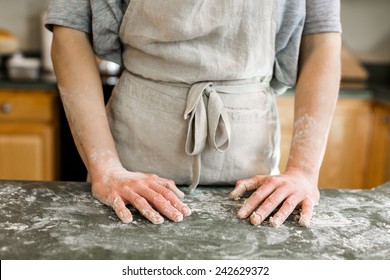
x=366, y=34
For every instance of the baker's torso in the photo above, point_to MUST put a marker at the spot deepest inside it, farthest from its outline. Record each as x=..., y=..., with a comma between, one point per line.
x=194, y=103
x=201, y=40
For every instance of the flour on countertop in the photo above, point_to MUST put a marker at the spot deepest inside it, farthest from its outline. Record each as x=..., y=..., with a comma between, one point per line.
x=66, y=222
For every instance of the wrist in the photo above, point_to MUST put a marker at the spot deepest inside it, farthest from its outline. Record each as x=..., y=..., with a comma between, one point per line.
x=102, y=163
x=308, y=171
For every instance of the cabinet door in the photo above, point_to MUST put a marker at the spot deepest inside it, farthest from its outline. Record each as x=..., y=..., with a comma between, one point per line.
x=27, y=106
x=379, y=158
x=27, y=152
x=346, y=157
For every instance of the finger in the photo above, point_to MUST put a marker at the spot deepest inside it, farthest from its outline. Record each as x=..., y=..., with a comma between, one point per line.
x=163, y=205
x=306, y=213
x=143, y=207
x=255, y=200
x=244, y=186
x=173, y=199
x=285, y=211
x=121, y=210
x=269, y=205
x=170, y=185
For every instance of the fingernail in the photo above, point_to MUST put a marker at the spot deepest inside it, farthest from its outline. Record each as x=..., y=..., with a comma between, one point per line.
x=178, y=218
x=125, y=217
x=275, y=221
x=242, y=213
x=255, y=219
x=304, y=222
x=127, y=220
x=186, y=211
x=233, y=195
x=180, y=194
x=157, y=219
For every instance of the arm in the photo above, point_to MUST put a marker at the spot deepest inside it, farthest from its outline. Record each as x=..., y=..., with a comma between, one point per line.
x=81, y=93
x=315, y=101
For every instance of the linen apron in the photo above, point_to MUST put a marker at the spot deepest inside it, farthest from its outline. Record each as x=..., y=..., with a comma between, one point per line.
x=193, y=103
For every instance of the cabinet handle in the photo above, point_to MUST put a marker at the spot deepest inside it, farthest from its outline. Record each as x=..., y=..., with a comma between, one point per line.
x=6, y=107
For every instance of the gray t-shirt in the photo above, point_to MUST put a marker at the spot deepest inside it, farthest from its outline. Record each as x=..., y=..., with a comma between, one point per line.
x=102, y=19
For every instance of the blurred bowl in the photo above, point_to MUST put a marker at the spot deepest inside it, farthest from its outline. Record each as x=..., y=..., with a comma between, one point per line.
x=109, y=68
x=21, y=68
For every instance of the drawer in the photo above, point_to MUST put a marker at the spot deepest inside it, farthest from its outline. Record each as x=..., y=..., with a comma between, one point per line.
x=27, y=105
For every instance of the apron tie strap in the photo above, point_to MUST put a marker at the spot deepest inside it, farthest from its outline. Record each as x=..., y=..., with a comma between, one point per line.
x=212, y=123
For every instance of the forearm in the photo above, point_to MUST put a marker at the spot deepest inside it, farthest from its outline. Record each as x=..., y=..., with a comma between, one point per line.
x=315, y=101
x=81, y=93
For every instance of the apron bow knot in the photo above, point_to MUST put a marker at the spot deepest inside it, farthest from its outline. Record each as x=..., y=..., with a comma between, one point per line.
x=212, y=124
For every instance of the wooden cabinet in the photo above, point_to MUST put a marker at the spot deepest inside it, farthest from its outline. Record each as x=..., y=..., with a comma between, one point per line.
x=346, y=156
x=358, y=149
x=28, y=135
x=379, y=156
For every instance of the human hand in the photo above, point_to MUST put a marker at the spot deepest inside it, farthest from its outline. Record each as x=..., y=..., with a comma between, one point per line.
x=148, y=193
x=290, y=190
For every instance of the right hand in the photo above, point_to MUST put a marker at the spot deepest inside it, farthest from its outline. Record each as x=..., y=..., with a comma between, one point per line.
x=81, y=93
x=148, y=193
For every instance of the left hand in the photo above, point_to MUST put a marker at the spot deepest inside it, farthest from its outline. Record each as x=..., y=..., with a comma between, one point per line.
x=290, y=190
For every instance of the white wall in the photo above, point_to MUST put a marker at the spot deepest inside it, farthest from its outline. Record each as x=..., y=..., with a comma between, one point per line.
x=22, y=18
x=366, y=28
x=366, y=25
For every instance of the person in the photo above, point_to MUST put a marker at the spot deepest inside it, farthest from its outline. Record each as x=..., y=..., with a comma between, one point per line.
x=195, y=103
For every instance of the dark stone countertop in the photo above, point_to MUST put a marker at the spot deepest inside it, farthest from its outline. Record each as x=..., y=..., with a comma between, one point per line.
x=61, y=220
x=45, y=81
